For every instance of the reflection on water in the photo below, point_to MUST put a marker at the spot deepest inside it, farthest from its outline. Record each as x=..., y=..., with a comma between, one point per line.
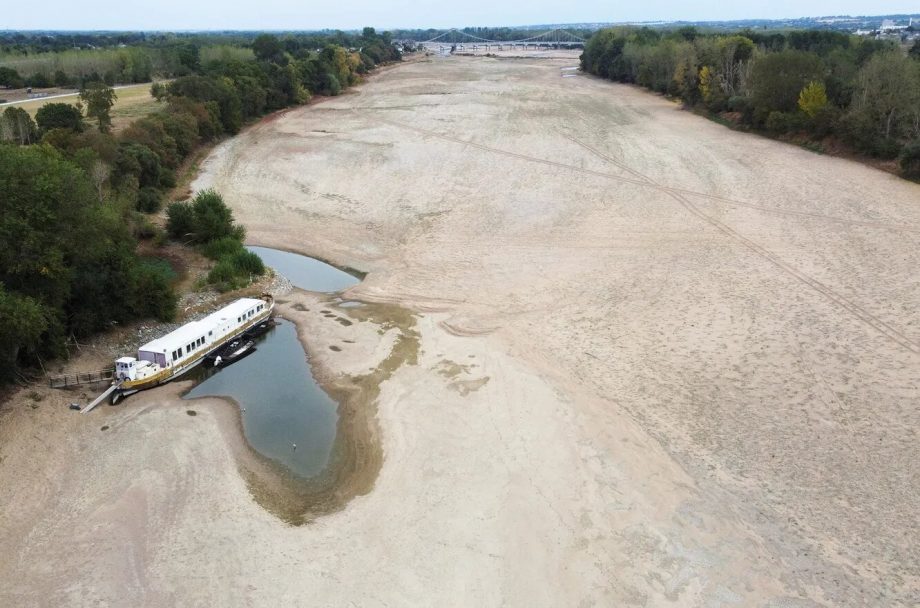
x=305, y=272
x=282, y=405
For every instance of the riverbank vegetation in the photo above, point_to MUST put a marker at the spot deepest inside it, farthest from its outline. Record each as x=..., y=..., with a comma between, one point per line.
x=73, y=59
x=829, y=90
x=78, y=198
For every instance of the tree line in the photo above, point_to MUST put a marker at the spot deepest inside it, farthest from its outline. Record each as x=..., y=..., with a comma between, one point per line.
x=76, y=196
x=816, y=83
x=45, y=61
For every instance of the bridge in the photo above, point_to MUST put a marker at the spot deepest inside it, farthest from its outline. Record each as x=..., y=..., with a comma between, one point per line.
x=458, y=40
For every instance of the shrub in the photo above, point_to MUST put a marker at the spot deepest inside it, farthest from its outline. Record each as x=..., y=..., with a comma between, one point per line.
x=40, y=81
x=248, y=262
x=59, y=116
x=222, y=247
x=180, y=221
x=780, y=122
x=234, y=270
x=143, y=228
x=909, y=160
x=149, y=200
x=213, y=219
x=152, y=294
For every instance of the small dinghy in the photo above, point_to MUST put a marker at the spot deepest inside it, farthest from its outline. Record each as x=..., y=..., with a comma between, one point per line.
x=233, y=352
x=260, y=328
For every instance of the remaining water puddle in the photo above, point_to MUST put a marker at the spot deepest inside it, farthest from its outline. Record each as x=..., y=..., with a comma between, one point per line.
x=305, y=272
x=281, y=403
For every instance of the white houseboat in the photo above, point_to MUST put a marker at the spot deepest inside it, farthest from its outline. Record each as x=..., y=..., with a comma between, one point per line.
x=177, y=352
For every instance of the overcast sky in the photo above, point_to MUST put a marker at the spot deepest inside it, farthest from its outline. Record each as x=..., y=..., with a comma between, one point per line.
x=387, y=14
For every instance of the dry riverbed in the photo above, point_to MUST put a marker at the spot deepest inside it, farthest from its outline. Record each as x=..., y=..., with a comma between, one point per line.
x=617, y=355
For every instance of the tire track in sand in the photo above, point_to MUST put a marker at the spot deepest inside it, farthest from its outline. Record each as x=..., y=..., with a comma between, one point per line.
x=732, y=201
x=647, y=183
x=677, y=194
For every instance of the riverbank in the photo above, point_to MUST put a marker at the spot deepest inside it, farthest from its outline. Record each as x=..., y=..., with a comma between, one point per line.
x=694, y=306
x=649, y=362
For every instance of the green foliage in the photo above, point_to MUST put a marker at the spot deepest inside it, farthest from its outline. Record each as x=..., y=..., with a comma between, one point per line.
x=222, y=247
x=206, y=218
x=813, y=98
x=180, y=222
x=138, y=161
x=59, y=116
x=886, y=102
x=818, y=83
x=213, y=219
x=778, y=78
x=71, y=209
x=152, y=294
x=235, y=270
x=149, y=200
x=65, y=251
x=219, y=91
x=10, y=78
x=98, y=97
x=22, y=322
x=18, y=127
x=267, y=48
x=909, y=160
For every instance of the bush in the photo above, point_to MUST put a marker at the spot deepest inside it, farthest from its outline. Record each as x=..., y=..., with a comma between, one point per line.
x=180, y=221
x=40, y=81
x=222, y=247
x=909, y=160
x=248, y=262
x=235, y=270
x=59, y=116
x=781, y=122
x=152, y=294
x=143, y=228
x=149, y=200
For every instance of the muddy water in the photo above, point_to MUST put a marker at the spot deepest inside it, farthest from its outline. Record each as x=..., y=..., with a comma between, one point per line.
x=281, y=404
x=305, y=272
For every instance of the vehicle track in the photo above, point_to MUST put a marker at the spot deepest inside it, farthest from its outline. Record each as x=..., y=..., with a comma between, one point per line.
x=646, y=182
x=854, y=309
x=732, y=201
x=679, y=195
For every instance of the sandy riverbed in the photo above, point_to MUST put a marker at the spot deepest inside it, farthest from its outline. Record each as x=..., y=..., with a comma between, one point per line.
x=658, y=363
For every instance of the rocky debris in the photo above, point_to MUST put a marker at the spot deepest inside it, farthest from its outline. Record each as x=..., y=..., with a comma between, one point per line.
x=279, y=285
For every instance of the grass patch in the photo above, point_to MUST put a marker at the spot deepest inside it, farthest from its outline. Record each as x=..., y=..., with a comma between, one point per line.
x=159, y=266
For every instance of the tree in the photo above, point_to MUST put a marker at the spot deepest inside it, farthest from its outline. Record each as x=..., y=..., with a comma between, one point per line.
x=813, y=98
x=734, y=51
x=59, y=116
x=99, y=99
x=914, y=51
x=267, y=48
x=778, y=78
x=22, y=321
x=17, y=126
x=706, y=83
x=10, y=78
x=886, y=102
x=909, y=160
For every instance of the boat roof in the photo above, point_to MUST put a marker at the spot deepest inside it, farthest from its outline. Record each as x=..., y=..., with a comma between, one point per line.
x=194, y=330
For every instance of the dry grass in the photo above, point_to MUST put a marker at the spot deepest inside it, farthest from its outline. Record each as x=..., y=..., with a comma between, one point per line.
x=134, y=101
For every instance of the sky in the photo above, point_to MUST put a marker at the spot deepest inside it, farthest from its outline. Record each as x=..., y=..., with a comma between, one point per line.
x=389, y=14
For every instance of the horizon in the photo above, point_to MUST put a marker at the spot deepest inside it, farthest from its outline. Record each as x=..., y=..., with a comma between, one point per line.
x=457, y=27
x=174, y=16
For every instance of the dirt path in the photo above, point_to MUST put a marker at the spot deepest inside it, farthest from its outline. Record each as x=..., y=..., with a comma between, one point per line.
x=659, y=363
